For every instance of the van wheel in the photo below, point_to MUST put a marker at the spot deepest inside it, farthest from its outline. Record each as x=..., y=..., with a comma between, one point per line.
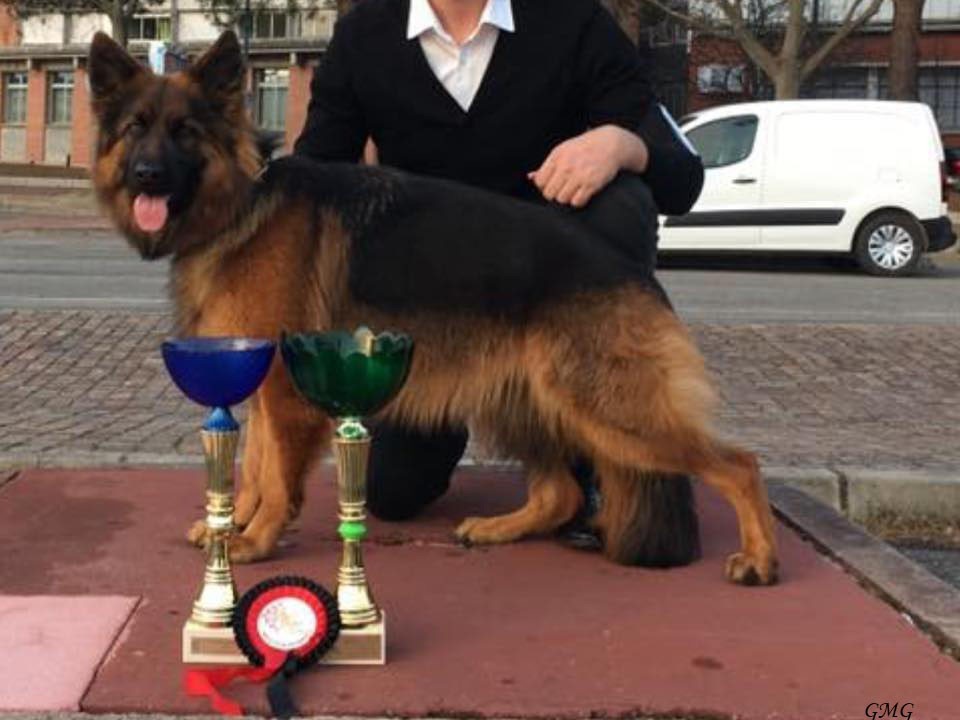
x=890, y=244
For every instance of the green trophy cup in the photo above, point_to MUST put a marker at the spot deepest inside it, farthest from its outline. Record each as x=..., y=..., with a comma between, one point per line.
x=350, y=376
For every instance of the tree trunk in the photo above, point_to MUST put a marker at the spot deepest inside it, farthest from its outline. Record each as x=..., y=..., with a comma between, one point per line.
x=905, y=49
x=118, y=19
x=786, y=82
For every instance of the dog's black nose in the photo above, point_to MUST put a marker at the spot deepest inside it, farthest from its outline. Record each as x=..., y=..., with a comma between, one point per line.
x=148, y=172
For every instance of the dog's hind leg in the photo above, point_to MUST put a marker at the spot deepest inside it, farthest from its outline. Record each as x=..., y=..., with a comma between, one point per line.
x=553, y=498
x=733, y=472
x=635, y=397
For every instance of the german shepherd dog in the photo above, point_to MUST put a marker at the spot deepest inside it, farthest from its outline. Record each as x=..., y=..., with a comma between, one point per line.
x=585, y=360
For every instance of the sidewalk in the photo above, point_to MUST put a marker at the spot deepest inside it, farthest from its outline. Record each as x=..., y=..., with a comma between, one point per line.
x=89, y=388
x=39, y=203
x=531, y=629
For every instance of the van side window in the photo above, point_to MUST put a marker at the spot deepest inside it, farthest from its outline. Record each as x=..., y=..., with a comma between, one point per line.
x=725, y=142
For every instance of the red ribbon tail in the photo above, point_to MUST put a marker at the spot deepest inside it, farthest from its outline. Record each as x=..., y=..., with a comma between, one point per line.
x=207, y=683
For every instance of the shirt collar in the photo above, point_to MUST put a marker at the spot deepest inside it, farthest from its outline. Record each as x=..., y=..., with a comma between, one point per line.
x=498, y=13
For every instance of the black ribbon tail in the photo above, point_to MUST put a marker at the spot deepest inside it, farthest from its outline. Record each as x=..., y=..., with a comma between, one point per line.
x=278, y=691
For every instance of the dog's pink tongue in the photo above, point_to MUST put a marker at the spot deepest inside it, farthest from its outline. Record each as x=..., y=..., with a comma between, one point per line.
x=150, y=212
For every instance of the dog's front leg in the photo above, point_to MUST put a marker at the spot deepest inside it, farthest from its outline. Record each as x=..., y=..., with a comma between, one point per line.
x=289, y=435
x=248, y=492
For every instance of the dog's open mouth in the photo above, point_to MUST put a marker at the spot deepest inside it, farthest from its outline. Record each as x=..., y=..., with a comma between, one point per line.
x=150, y=212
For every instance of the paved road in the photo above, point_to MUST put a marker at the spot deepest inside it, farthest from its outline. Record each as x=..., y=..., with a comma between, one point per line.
x=75, y=270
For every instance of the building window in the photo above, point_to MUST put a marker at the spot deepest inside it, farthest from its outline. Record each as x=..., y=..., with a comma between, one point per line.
x=271, y=104
x=839, y=83
x=149, y=27
x=14, y=98
x=275, y=24
x=939, y=87
x=60, y=97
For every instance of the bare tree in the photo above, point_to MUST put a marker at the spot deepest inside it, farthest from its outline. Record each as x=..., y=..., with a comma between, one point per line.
x=120, y=12
x=785, y=39
x=905, y=48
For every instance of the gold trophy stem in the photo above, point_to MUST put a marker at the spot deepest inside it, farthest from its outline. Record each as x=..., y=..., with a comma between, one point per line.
x=352, y=449
x=217, y=598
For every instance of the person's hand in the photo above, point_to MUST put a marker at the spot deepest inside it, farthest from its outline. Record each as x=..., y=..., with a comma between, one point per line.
x=578, y=168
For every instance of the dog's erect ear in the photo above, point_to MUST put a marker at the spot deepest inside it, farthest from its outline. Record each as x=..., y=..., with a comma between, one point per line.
x=220, y=71
x=110, y=69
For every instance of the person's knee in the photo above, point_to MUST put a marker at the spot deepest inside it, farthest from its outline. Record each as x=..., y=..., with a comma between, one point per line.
x=401, y=494
x=409, y=470
x=625, y=214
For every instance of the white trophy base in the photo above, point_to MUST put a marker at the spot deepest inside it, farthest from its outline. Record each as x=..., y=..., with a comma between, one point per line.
x=216, y=646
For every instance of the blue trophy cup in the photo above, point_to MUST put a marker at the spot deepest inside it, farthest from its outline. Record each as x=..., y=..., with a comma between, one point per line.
x=217, y=373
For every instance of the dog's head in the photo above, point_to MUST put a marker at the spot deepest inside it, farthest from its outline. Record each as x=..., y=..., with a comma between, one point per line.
x=175, y=154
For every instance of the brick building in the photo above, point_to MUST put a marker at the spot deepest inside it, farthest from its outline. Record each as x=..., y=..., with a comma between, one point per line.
x=44, y=105
x=719, y=72
x=44, y=102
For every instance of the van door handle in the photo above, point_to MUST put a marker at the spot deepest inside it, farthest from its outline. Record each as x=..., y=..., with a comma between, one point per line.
x=744, y=181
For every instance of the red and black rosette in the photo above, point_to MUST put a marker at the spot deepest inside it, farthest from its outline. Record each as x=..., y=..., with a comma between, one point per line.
x=286, y=619
x=282, y=625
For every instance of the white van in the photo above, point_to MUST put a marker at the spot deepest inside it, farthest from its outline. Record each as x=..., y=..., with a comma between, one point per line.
x=854, y=176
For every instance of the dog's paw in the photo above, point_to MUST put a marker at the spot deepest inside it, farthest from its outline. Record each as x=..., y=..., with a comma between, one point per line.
x=244, y=550
x=745, y=569
x=198, y=535
x=482, y=531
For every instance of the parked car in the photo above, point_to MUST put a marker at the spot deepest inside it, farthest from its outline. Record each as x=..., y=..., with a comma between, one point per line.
x=862, y=177
x=952, y=157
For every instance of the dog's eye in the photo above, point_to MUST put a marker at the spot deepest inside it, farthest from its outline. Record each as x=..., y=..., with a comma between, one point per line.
x=184, y=131
x=138, y=125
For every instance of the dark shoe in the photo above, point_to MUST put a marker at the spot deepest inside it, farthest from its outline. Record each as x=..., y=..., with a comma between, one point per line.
x=579, y=533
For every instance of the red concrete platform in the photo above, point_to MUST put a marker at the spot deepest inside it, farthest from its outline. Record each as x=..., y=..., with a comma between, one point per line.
x=528, y=630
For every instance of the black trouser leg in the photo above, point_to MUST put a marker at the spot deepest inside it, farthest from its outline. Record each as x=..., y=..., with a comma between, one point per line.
x=624, y=214
x=409, y=469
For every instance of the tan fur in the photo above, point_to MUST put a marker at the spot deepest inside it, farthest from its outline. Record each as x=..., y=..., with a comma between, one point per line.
x=610, y=375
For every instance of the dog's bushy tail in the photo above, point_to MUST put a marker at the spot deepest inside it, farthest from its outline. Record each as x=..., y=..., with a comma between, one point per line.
x=650, y=518
x=665, y=531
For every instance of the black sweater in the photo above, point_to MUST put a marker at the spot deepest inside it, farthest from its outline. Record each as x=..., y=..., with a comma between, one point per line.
x=566, y=68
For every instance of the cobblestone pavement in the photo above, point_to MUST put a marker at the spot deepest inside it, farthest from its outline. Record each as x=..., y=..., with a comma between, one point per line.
x=87, y=387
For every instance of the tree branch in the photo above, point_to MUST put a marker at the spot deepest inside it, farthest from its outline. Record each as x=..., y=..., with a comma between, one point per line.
x=847, y=26
x=748, y=41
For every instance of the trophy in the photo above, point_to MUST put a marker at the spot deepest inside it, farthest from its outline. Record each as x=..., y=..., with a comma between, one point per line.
x=350, y=376
x=217, y=373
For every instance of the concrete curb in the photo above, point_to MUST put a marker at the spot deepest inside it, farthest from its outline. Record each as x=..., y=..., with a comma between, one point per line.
x=862, y=494
x=929, y=603
x=45, y=182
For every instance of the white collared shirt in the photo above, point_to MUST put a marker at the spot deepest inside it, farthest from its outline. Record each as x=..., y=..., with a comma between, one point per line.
x=459, y=67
